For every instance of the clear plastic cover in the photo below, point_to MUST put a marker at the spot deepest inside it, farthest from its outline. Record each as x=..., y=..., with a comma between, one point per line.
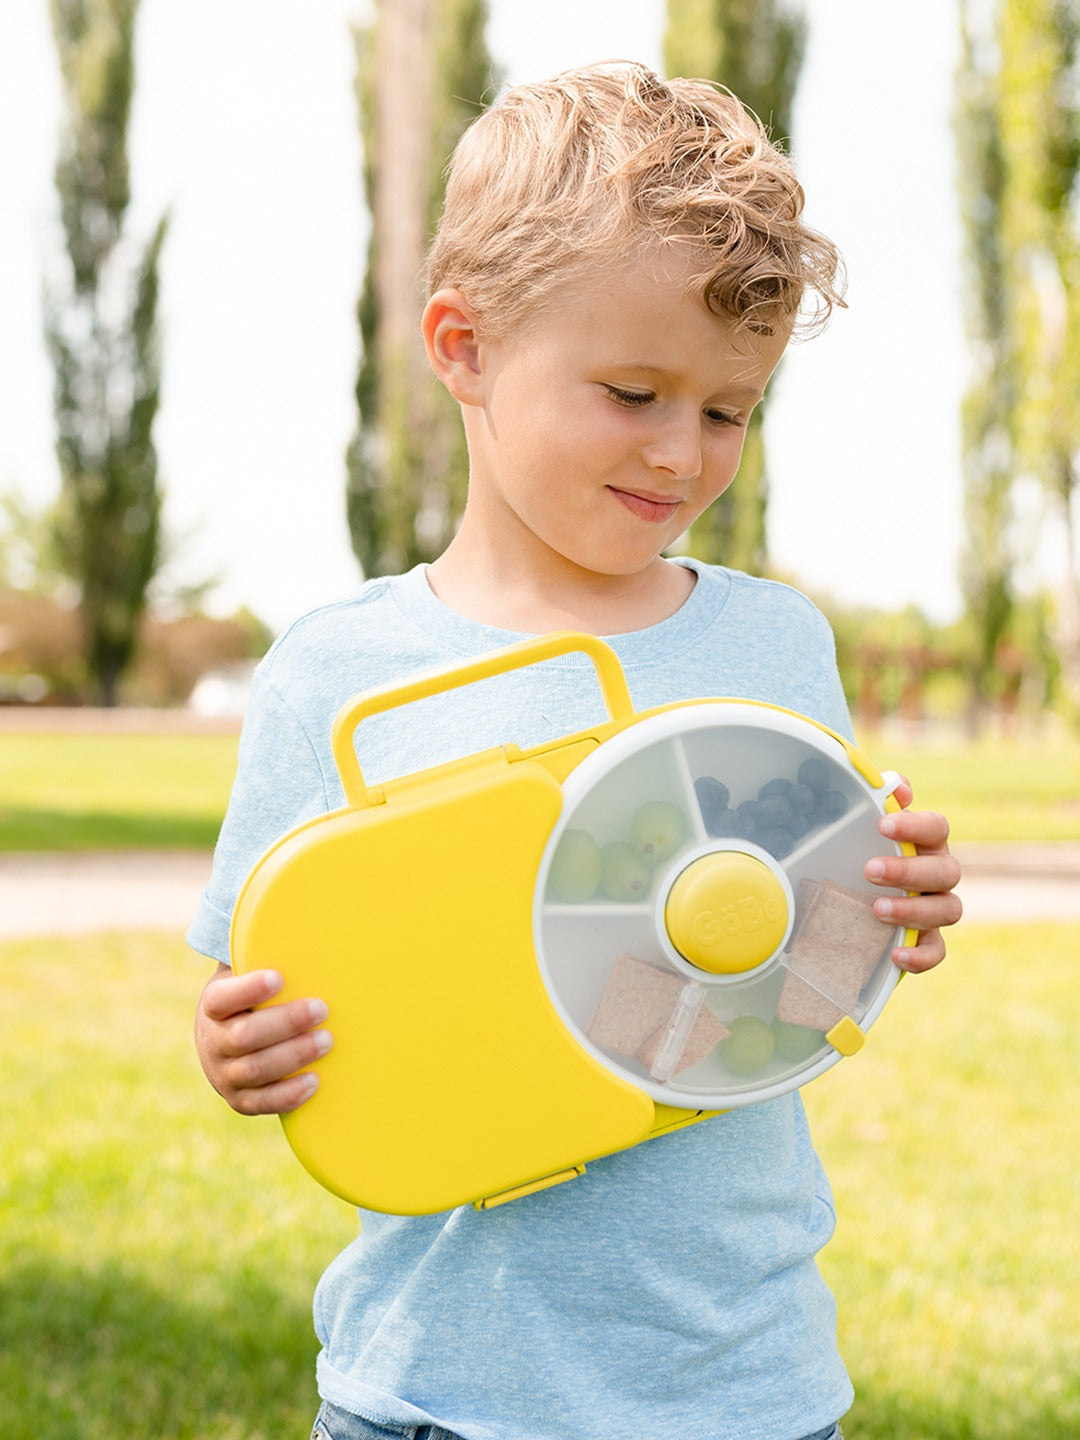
x=671, y=792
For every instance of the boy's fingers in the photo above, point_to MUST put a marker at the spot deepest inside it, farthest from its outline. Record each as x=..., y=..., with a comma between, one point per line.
x=260, y=1070
x=226, y=995
x=930, y=951
x=919, y=912
x=253, y=1031
x=925, y=829
x=278, y=1099
x=930, y=874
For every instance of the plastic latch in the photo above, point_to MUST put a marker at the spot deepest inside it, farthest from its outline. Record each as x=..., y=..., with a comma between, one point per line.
x=846, y=1036
x=517, y=1191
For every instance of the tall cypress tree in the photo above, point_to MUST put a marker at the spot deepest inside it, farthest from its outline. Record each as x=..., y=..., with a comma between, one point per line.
x=101, y=330
x=988, y=561
x=423, y=73
x=755, y=48
x=1039, y=119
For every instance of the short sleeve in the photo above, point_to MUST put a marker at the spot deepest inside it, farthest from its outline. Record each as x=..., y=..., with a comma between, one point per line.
x=279, y=784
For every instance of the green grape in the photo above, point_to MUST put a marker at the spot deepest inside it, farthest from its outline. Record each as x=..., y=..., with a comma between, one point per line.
x=796, y=1042
x=575, y=868
x=749, y=1047
x=623, y=874
x=657, y=831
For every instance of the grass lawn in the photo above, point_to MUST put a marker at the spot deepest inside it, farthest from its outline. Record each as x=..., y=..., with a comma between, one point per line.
x=158, y=1253
x=994, y=789
x=83, y=792
x=107, y=792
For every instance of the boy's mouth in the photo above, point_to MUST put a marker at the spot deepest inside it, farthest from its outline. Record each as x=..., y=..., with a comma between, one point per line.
x=653, y=508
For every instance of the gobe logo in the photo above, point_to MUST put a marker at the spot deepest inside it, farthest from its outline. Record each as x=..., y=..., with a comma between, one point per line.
x=739, y=917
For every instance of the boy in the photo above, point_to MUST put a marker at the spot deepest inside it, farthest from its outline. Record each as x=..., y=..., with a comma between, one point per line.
x=619, y=267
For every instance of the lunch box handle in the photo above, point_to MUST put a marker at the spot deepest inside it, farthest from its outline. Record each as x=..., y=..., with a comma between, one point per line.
x=609, y=673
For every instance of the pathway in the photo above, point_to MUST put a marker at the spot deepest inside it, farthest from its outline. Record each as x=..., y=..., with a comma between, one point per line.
x=52, y=894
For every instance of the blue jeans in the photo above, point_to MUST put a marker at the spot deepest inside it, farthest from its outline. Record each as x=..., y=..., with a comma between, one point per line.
x=334, y=1424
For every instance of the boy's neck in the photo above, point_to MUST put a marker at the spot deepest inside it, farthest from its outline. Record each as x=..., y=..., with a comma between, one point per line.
x=568, y=598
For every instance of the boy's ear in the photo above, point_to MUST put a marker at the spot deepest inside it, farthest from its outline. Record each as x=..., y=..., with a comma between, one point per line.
x=452, y=344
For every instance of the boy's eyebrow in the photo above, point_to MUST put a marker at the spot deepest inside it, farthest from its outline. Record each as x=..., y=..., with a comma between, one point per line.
x=748, y=392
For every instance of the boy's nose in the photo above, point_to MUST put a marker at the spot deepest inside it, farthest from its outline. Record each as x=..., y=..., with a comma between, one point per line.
x=677, y=450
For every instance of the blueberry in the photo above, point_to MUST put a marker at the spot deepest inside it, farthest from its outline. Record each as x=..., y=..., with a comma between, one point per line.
x=802, y=799
x=712, y=793
x=779, y=786
x=776, y=841
x=721, y=822
x=748, y=819
x=774, y=810
x=814, y=772
x=834, y=804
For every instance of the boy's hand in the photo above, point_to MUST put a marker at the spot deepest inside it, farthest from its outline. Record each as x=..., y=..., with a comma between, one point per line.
x=251, y=1056
x=932, y=872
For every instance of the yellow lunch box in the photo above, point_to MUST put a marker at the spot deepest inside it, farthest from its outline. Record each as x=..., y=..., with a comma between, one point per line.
x=537, y=957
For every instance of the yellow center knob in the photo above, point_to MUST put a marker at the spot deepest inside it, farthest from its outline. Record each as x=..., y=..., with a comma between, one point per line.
x=727, y=913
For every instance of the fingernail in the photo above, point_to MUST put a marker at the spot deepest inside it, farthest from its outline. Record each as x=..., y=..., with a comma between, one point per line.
x=888, y=825
x=323, y=1041
x=902, y=959
x=317, y=1011
x=875, y=869
x=309, y=1086
x=883, y=909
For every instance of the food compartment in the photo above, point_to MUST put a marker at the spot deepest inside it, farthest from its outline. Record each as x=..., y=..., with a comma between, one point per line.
x=625, y=831
x=767, y=787
x=726, y=777
x=838, y=957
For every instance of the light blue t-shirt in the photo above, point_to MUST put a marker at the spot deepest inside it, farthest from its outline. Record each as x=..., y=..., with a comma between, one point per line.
x=671, y=1292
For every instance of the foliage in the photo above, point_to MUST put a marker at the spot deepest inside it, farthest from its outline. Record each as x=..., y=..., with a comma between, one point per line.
x=423, y=73
x=1039, y=85
x=988, y=562
x=159, y=1253
x=102, y=334
x=1018, y=138
x=755, y=48
x=40, y=644
x=29, y=554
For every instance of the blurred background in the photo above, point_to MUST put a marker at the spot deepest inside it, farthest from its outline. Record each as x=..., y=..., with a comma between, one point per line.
x=214, y=414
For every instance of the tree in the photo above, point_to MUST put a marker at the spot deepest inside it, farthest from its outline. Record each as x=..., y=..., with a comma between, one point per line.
x=423, y=73
x=988, y=562
x=755, y=48
x=1018, y=133
x=1039, y=107
x=102, y=334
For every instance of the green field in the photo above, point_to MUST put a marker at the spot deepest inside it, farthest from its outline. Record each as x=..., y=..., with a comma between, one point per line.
x=79, y=792
x=158, y=1253
x=109, y=792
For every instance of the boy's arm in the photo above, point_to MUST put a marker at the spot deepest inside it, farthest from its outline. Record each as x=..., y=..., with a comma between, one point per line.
x=251, y=1056
x=932, y=873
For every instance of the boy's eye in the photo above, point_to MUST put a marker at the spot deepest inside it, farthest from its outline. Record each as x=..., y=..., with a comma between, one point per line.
x=724, y=417
x=630, y=398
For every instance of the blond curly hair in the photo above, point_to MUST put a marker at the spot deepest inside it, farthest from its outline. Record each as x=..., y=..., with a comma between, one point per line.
x=598, y=165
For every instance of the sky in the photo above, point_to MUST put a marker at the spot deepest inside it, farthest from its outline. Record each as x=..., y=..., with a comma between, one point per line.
x=244, y=128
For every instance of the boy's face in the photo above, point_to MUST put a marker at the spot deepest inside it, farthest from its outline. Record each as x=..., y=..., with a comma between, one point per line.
x=608, y=425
